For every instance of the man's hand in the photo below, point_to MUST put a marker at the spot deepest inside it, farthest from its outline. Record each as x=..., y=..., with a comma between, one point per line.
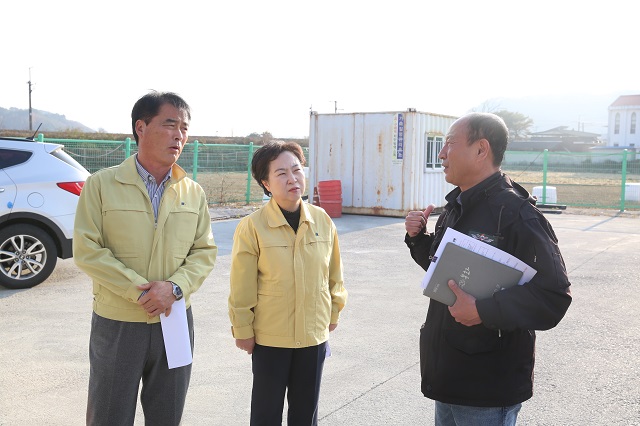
x=332, y=327
x=158, y=299
x=246, y=344
x=464, y=309
x=416, y=221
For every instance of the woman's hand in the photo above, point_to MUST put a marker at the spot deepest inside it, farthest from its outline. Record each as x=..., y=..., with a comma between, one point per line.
x=246, y=344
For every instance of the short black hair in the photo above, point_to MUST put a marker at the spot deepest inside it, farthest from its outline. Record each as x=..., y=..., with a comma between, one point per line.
x=484, y=125
x=149, y=106
x=269, y=152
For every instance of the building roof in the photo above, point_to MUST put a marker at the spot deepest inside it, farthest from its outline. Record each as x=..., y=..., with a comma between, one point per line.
x=564, y=131
x=627, y=100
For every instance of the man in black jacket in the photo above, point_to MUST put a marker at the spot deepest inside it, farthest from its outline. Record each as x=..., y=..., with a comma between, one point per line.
x=477, y=356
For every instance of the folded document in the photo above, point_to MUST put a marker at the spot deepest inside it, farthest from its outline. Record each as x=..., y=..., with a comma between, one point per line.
x=478, y=268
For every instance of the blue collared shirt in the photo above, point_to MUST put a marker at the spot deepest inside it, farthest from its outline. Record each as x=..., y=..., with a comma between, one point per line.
x=154, y=189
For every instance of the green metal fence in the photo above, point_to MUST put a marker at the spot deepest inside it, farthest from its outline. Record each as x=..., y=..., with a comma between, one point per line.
x=609, y=180
x=597, y=179
x=224, y=171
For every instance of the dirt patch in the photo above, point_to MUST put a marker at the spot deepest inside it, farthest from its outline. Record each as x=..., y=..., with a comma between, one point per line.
x=232, y=211
x=602, y=212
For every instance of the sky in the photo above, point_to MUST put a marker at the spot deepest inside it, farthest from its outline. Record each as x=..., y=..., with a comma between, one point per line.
x=262, y=66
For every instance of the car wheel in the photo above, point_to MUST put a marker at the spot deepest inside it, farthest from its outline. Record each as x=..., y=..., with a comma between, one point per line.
x=27, y=256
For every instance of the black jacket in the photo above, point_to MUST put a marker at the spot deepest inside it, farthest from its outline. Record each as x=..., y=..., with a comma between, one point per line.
x=491, y=364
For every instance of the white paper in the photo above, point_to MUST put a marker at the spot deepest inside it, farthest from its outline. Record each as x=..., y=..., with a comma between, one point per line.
x=175, y=332
x=482, y=248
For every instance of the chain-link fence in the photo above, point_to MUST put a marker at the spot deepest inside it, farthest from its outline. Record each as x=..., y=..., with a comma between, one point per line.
x=601, y=179
x=223, y=171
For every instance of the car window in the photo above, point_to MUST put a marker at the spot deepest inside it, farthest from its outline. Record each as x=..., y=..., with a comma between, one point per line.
x=12, y=157
x=61, y=155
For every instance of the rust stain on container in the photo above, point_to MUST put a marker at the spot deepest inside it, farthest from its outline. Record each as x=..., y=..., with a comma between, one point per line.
x=358, y=148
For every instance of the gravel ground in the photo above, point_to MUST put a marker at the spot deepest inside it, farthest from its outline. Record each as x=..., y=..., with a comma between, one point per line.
x=587, y=368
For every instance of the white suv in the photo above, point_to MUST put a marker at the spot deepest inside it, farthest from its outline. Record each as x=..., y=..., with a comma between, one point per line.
x=39, y=189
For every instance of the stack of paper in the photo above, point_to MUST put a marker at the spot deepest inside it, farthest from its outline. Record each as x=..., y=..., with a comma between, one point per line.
x=477, y=267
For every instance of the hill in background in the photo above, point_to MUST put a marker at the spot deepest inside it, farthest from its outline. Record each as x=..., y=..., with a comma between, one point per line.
x=14, y=122
x=582, y=112
x=18, y=119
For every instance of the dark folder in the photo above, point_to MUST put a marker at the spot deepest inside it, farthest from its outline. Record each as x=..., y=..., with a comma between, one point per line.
x=475, y=274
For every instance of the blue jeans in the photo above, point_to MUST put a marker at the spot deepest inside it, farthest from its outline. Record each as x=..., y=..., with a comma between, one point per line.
x=462, y=415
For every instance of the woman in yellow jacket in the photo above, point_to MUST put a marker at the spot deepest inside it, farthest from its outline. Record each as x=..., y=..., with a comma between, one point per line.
x=286, y=289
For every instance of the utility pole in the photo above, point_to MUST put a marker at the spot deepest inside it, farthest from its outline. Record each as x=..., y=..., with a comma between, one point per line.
x=30, y=110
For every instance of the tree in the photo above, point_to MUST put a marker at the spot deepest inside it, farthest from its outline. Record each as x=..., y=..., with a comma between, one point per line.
x=262, y=138
x=517, y=123
x=490, y=105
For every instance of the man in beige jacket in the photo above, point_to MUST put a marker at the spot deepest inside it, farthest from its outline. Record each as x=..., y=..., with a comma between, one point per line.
x=143, y=235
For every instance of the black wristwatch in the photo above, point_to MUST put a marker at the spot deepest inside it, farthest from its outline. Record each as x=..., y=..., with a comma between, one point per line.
x=177, y=291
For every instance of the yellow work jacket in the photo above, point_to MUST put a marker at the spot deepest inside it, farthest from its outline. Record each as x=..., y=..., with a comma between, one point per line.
x=119, y=244
x=286, y=287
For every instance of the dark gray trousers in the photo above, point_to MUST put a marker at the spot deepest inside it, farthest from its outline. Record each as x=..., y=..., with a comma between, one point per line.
x=121, y=354
x=296, y=371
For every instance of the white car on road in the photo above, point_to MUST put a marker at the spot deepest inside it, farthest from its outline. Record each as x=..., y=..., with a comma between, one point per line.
x=39, y=189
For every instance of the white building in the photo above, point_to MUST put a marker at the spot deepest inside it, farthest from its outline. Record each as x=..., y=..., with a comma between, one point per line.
x=624, y=114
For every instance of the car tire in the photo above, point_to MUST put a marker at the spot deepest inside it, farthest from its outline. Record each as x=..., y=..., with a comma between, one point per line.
x=27, y=256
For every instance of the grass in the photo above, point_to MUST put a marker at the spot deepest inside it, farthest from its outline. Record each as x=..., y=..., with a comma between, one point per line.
x=229, y=188
x=580, y=189
x=592, y=190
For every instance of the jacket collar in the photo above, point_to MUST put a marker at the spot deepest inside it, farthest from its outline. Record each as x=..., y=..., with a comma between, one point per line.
x=501, y=194
x=489, y=187
x=276, y=218
x=128, y=173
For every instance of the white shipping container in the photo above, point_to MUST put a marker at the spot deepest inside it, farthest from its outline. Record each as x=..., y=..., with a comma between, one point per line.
x=387, y=162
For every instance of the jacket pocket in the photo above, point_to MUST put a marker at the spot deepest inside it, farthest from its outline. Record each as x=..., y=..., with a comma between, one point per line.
x=471, y=340
x=275, y=261
x=323, y=307
x=125, y=226
x=267, y=292
x=271, y=313
x=131, y=257
x=178, y=252
x=182, y=225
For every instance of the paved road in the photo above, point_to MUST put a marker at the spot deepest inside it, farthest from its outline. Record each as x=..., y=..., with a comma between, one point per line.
x=587, y=373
